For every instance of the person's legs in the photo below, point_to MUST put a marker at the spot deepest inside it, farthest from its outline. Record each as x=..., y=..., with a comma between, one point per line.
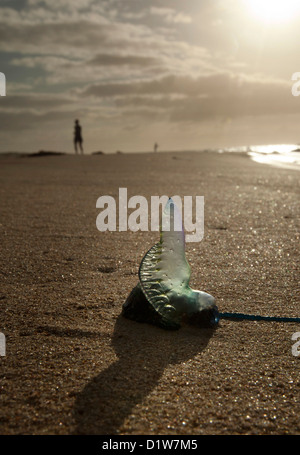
x=75, y=147
x=81, y=148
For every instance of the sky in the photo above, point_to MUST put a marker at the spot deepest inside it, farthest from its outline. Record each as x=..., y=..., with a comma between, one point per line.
x=187, y=74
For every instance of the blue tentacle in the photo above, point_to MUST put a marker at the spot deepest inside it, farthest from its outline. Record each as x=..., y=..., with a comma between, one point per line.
x=253, y=317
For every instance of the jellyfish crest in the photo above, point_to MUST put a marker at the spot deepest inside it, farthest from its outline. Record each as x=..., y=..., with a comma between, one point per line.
x=164, y=271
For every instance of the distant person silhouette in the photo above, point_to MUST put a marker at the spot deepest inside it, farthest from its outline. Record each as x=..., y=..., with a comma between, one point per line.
x=78, y=137
x=155, y=147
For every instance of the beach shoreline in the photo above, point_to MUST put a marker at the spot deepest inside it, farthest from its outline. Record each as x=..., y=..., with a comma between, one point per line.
x=73, y=365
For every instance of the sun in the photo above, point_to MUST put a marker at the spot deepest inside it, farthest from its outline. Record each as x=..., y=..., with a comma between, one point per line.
x=274, y=11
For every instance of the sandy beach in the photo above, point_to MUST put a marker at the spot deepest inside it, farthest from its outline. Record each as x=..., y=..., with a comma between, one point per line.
x=73, y=365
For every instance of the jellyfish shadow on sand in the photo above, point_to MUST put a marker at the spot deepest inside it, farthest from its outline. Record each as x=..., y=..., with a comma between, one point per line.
x=143, y=352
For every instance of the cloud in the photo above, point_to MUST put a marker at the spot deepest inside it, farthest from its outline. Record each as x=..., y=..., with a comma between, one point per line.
x=81, y=39
x=66, y=5
x=104, y=66
x=217, y=84
x=69, y=44
x=18, y=121
x=56, y=38
x=133, y=63
x=169, y=84
x=220, y=95
x=114, y=59
x=48, y=62
x=31, y=102
x=171, y=16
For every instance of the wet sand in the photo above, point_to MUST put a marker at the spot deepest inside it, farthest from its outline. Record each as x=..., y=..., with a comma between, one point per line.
x=74, y=366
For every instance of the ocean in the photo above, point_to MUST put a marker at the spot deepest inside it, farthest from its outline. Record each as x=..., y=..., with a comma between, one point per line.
x=280, y=155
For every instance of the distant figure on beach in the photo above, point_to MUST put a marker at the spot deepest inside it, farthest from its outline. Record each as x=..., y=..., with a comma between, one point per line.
x=155, y=147
x=78, y=137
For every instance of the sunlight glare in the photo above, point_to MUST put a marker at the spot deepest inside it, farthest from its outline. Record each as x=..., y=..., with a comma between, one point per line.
x=274, y=11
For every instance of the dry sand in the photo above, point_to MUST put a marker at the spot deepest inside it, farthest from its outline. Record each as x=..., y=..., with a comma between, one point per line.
x=73, y=365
